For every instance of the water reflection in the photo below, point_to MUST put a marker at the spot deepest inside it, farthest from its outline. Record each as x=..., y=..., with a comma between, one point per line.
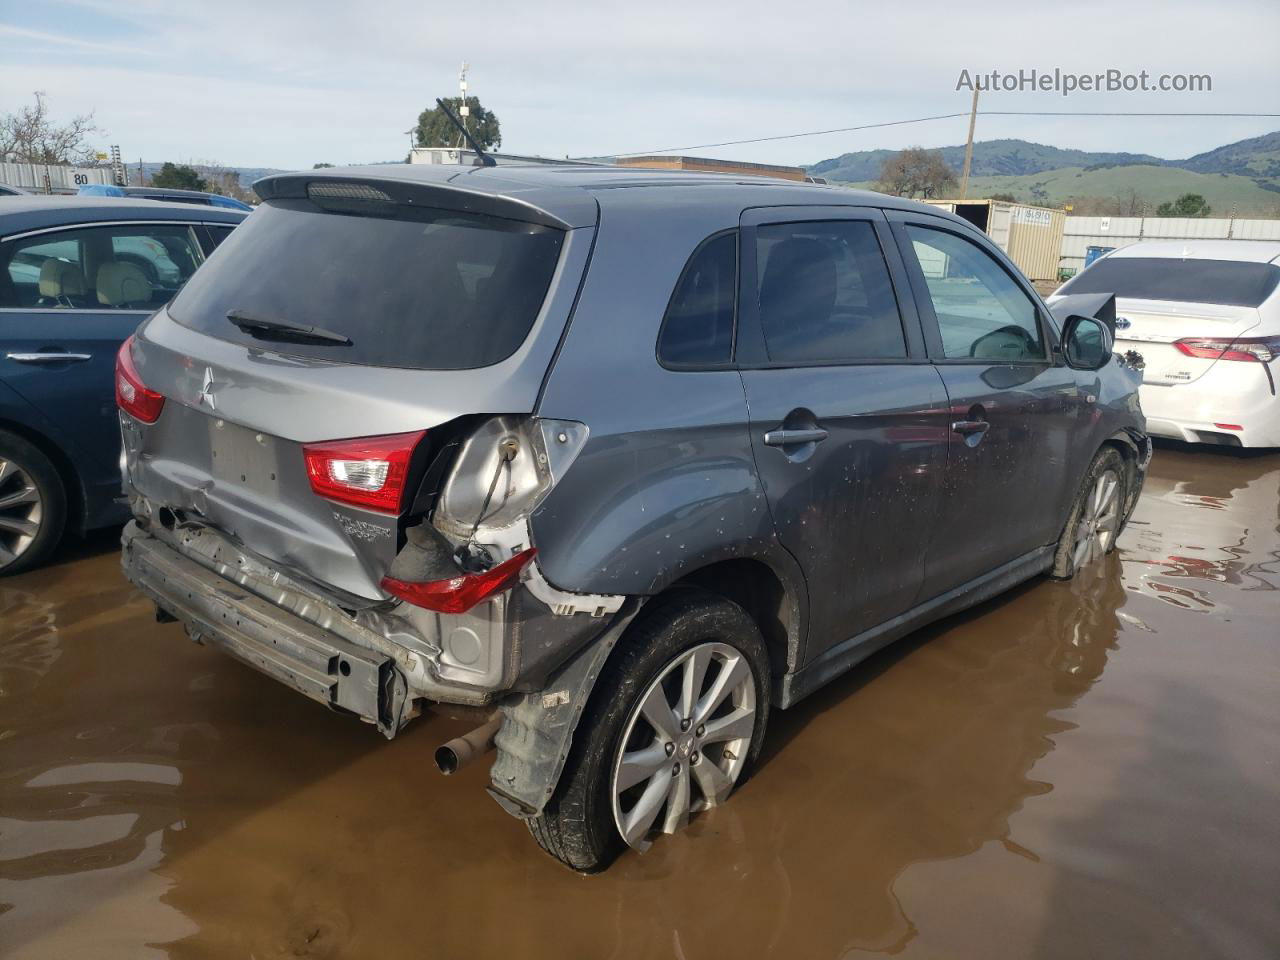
x=157, y=796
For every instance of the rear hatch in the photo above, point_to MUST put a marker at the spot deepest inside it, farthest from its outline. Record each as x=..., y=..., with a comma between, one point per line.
x=1163, y=300
x=341, y=310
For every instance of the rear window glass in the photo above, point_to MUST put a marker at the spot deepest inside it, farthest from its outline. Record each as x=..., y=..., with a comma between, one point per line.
x=1231, y=283
x=825, y=295
x=442, y=291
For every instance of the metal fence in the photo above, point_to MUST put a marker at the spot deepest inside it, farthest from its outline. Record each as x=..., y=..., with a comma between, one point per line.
x=1081, y=233
x=52, y=177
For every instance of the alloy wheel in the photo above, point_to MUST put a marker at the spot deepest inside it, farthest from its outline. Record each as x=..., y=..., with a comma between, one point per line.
x=1099, y=520
x=21, y=510
x=685, y=743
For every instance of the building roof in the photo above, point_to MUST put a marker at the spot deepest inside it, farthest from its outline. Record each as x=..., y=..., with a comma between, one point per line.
x=1253, y=251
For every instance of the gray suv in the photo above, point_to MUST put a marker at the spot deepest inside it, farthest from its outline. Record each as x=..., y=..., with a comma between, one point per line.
x=626, y=458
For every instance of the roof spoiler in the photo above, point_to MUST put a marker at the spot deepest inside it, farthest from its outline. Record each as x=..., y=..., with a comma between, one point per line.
x=367, y=191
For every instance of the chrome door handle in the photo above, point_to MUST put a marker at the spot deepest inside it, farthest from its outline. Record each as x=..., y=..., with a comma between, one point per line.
x=786, y=438
x=967, y=428
x=53, y=357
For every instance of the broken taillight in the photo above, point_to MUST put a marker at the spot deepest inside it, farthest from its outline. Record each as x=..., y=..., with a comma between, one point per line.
x=369, y=472
x=132, y=395
x=459, y=594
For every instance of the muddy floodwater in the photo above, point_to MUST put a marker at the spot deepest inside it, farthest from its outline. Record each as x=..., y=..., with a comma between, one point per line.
x=1085, y=769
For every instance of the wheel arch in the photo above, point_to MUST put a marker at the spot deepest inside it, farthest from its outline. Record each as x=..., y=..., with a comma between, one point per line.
x=72, y=484
x=777, y=606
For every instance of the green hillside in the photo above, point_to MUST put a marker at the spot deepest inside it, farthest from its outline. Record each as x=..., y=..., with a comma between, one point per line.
x=1151, y=185
x=990, y=157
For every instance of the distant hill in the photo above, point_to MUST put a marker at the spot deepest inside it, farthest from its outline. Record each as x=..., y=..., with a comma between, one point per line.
x=1256, y=157
x=1244, y=176
x=1149, y=185
x=990, y=158
x=247, y=174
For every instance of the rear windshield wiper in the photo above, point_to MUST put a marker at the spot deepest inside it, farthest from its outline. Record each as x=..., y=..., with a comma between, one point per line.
x=279, y=330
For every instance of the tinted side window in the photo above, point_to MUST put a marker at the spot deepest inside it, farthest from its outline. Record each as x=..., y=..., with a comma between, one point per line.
x=698, y=327
x=216, y=235
x=825, y=294
x=981, y=311
x=133, y=267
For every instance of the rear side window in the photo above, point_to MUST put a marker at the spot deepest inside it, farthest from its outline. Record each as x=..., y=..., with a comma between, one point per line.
x=441, y=291
x=698, y=327
x=1231, y=283
x=825, y=293
x=111, y=267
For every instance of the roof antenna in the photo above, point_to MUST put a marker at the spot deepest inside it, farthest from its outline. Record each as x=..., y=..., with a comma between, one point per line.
x=482, y=158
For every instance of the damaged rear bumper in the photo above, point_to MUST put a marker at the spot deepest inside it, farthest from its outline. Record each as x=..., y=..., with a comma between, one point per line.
x=342, y=674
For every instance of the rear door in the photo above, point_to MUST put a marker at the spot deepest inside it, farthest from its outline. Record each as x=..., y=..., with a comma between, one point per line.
x=847, y=414
x=1015, y=408
x=71, y=296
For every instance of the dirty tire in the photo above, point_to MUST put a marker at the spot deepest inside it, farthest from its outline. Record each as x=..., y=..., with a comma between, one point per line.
x=35, y=467
x=577, y=826
x=1108, y=458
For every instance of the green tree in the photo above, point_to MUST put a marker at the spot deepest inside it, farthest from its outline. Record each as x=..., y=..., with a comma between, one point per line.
x=435, y=129
x=179, y=177
x=1187, y=205
x=321, y=166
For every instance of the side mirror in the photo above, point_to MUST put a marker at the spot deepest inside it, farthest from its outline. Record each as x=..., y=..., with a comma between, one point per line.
x=1086, y=343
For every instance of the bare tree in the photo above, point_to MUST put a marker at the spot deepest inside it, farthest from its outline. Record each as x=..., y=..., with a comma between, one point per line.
x=31, y=136
x=916, y=172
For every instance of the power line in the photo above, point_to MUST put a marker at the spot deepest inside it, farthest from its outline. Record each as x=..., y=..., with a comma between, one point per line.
x=942, y=116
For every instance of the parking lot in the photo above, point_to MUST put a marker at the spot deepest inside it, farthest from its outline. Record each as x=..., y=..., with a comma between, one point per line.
x=1083, y=768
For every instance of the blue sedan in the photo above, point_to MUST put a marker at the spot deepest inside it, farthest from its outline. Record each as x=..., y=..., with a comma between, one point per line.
x=77, y=276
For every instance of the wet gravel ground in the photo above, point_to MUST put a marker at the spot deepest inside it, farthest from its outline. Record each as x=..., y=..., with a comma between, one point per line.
x=1079, y=769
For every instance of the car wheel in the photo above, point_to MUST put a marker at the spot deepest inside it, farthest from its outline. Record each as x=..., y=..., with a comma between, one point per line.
x=33, y=505
x=1096, y=517
x=673, y=725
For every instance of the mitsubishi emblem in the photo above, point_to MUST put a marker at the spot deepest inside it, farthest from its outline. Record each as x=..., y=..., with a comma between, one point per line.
x=206, y=389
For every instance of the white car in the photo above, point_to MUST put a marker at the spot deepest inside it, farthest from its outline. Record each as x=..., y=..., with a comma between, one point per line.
x=1205, y=315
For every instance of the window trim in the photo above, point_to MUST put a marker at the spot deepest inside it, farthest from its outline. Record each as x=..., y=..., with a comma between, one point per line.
x=729, y=364
x=755, y=356
x=899, y=220
x=93, y=224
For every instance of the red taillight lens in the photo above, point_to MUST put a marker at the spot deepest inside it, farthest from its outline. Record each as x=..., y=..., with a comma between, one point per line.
x=132, y=395
x=369, y=472
x=459, y=594
x=1247, y=349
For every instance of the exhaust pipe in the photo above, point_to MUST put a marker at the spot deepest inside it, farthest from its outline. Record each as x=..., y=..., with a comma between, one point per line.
x=460, y=751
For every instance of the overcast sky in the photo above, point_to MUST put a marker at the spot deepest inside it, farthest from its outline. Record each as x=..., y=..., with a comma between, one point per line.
x=287, y=84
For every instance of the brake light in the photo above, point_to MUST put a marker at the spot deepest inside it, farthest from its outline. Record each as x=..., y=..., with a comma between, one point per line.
x=1247, y=349
x=459, y=594
x=132, y=395
x=369, y=472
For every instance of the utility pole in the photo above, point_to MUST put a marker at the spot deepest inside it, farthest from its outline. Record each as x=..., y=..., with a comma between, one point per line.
x=968, y=147
x=463, y=110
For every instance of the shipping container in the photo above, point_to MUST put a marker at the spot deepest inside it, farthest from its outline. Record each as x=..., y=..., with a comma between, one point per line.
x=1031, y=236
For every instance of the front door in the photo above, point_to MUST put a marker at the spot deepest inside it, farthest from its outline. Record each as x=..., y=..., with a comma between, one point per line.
x=847, y=414
x=1014, y=406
